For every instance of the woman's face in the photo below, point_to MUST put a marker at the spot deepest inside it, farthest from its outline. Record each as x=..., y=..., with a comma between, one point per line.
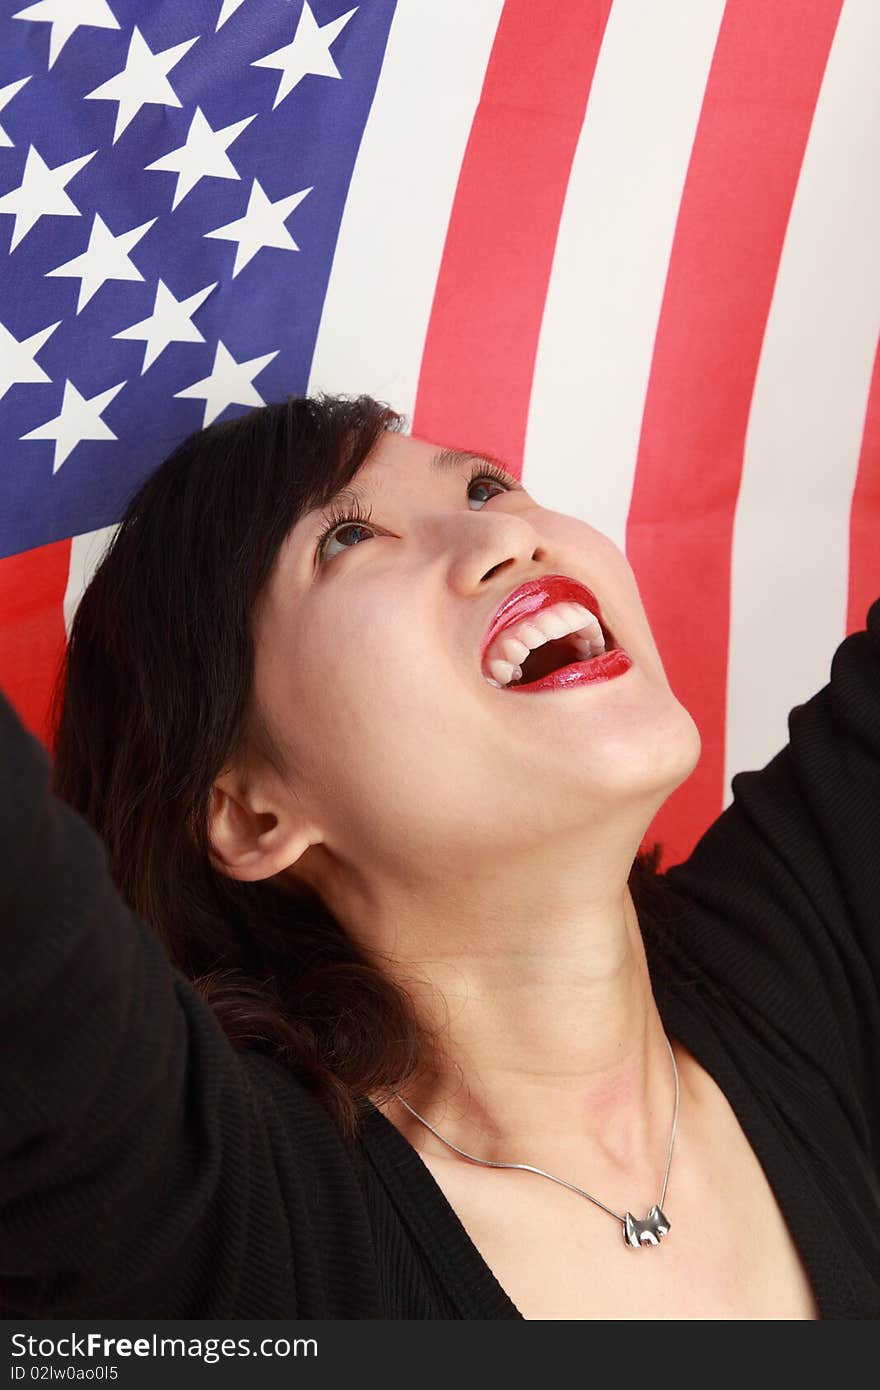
x=368, y=670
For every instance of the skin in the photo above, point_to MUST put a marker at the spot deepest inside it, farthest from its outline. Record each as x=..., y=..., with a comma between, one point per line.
x=477, y=840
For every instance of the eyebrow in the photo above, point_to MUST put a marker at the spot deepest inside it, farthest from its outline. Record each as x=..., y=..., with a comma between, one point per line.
x=446, y=461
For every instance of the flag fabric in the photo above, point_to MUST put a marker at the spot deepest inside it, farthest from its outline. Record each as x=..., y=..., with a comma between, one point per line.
x=632, y=249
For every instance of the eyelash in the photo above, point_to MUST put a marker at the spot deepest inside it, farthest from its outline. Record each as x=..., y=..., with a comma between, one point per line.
x=355, y=516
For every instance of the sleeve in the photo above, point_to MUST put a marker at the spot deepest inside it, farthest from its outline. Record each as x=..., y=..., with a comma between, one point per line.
x=786, y=883
x=136, y=1165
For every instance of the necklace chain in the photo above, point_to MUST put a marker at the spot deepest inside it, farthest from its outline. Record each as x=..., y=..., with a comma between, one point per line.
x=526, y=1167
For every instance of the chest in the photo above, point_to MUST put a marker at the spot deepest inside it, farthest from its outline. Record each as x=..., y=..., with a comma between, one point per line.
x=728, y=1255
x=558, y=1257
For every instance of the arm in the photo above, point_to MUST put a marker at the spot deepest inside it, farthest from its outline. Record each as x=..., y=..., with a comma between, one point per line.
x=137, y=1175
x=787, y=883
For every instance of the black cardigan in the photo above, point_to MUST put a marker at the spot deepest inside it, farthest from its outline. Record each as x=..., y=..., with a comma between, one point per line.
x=149, y=1170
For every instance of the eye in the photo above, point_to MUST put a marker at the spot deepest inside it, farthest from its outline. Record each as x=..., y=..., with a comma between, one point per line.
x=484, y=471
x=353, y=519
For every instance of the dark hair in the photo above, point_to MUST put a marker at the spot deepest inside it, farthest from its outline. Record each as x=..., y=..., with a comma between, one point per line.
x=154, y=696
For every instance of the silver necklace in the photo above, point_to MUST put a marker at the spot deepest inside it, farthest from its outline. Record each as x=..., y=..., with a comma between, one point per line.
x=635, y=1233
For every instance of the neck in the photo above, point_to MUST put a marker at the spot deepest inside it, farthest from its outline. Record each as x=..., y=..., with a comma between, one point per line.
x=551, y=1049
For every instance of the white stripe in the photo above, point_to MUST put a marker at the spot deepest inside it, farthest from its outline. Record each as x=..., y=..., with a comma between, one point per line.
x=612, y=257
x=791, y=537
x=85, y=553
x=375, y=316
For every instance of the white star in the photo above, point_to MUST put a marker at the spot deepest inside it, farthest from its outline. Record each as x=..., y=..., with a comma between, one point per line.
x=17, y=359
x=309, y=52
x=143, y=79
x=41, y=193
x=262, y=225
x=6, y=95
x=227, y=10
x=105, y=258
x=93, y=14
x=170, y=322
x=78, y=419
x=228, y=381
x=202, y=156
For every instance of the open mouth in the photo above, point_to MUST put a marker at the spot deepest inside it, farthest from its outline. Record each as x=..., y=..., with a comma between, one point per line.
x=548, y=633
x=557, y=653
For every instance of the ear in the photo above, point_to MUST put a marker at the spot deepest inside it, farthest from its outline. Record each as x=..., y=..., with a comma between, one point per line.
x=254, y=835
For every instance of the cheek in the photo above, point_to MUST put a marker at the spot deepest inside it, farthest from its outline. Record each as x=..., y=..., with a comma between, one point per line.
x=602, y=563
x=594, y=553
x=371, y=692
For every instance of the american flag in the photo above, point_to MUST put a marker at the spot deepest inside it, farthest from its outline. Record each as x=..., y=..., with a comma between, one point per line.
x=632, y=248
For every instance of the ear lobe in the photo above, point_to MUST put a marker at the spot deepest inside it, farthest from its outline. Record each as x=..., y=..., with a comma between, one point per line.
x=249, y=844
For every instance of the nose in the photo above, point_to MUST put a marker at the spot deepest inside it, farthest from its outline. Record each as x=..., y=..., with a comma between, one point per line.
x=488, y=543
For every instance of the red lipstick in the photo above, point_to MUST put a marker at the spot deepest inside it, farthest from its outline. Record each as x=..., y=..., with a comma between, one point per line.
x=536, y=594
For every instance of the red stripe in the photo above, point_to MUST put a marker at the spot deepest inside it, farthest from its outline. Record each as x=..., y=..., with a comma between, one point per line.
x=32, y=588
x=749, y=146
x=864, y=525
x=479, y=357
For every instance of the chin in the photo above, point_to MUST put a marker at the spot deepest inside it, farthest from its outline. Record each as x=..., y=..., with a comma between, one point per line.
x=658, y=767
x=685, y=751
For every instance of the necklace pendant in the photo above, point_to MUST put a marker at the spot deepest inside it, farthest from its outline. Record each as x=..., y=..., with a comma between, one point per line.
x=647, y=1232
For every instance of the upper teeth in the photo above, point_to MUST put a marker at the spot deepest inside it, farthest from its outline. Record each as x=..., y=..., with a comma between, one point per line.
x=504, y=655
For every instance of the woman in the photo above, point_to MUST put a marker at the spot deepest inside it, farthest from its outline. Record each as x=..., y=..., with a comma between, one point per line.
x=395, y=864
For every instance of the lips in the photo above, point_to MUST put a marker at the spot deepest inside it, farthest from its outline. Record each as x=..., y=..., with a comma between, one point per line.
x=536, y=594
